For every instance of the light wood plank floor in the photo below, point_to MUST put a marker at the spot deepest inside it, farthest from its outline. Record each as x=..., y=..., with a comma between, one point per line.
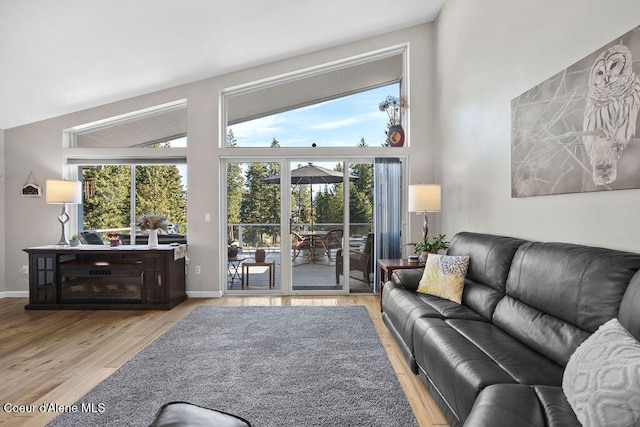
x=58, y=356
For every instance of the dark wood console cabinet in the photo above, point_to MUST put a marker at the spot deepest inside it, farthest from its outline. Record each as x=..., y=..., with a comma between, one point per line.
x=94, y=277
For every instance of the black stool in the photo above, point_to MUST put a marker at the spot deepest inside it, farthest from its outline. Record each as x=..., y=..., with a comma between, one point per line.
x=184, y=414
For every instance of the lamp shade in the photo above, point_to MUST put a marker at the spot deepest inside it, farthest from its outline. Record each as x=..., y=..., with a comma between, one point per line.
x=424, y=198
x=63, y=191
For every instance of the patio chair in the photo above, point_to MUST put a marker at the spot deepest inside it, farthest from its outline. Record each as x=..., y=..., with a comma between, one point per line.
x=331, y=240
x=358, y=260
x=91, y=238
x=299, y=244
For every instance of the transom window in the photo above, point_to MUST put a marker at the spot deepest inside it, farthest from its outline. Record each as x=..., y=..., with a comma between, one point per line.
x=349, y=121
x=163, y=126
x=332, y=105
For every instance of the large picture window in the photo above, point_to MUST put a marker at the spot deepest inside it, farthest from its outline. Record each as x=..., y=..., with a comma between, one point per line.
x=117, y=196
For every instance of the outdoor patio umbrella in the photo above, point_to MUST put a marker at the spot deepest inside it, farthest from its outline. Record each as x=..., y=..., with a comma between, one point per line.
x=312, y=174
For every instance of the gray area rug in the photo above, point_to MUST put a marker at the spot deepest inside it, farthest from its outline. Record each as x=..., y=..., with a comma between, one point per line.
x=274, y=366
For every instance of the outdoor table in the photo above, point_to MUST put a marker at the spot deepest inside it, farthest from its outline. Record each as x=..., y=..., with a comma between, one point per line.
x=272, y=271
x=313, y=236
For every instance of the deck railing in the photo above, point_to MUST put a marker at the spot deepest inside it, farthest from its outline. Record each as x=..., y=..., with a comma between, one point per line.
x=254, y=236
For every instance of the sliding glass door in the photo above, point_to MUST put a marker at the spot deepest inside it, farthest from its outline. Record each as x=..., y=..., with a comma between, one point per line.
x=317, y=225
x=293, y=226
x=253, y=230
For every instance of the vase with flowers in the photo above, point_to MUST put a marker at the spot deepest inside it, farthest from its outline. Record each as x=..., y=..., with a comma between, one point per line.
x=394, y=106
x=152, y=223
x=114, y=239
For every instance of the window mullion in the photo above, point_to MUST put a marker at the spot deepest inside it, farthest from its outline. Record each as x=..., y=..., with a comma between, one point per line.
x=132, y=199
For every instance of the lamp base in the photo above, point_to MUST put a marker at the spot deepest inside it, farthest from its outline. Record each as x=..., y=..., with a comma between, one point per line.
x=63, y=218
x=425, y=225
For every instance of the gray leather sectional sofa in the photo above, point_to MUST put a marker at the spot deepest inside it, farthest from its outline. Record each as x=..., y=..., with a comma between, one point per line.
x=498, y=358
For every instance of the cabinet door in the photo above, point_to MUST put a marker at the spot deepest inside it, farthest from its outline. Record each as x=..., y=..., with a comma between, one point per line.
x=153, y=280
x=42, y=279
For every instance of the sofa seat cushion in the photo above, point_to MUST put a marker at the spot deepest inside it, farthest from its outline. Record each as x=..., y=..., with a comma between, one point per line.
x=455, y=366
x=401, y=310
x=447, y=309
x=521, y=362
x=507, y=405
x=557, y=409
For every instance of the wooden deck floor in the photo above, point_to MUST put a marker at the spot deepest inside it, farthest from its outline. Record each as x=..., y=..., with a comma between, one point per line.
x=306, y=275
x=58, y=356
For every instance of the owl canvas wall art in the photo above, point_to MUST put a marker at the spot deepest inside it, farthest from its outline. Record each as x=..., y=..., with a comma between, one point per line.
x=611, y=112
x=576, y=131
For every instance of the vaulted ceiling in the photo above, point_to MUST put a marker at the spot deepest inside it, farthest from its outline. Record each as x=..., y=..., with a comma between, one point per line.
x=61, y=56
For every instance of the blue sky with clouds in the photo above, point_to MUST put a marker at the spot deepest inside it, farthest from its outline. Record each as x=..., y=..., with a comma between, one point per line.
x=341, y=122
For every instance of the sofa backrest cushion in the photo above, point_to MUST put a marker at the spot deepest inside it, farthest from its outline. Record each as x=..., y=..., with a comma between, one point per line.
x=629, y=315
x=559, y=293
x=489, y=261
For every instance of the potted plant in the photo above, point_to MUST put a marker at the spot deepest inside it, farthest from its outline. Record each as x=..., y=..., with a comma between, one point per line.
x=232, y=248
x=151, y=223
x=427, y=246
x=394, y=107
x=75, y=241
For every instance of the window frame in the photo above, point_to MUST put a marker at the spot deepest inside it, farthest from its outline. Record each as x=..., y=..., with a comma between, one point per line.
x=76, y=157
x=70, y=136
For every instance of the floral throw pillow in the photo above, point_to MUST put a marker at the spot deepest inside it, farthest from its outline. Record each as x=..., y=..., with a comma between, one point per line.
x=444, y=276
x=602, y=378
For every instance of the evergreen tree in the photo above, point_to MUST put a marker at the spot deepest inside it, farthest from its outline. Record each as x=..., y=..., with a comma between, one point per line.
x=258, y=200
x=301, y=208
x=106, y=198
x=322, y=206
x=235, y=183
x=159, y=191
x=272, y=200
x=301, y=204
x=364, y=184
x=329, y=202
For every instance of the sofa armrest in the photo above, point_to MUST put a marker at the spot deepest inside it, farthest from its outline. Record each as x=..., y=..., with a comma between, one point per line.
x=407, y=278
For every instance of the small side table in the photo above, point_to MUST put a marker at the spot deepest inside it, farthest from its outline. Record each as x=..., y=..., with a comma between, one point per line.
x=388, y=265
x=272, y=271
x=233, y=265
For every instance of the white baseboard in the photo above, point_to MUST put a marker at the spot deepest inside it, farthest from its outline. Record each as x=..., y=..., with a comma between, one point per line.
x=14, y=294
x=204, y=294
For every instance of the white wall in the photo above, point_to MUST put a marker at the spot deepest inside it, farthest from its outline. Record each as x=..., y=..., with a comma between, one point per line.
x=487, y=53
x=37, y=147
x=3, y=243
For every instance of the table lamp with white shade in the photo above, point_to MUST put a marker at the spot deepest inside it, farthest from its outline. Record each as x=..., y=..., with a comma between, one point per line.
x=62, y=191
x=424, y=198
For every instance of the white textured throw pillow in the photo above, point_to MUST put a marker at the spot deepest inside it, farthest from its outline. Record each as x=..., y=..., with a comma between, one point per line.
x=602, y=378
